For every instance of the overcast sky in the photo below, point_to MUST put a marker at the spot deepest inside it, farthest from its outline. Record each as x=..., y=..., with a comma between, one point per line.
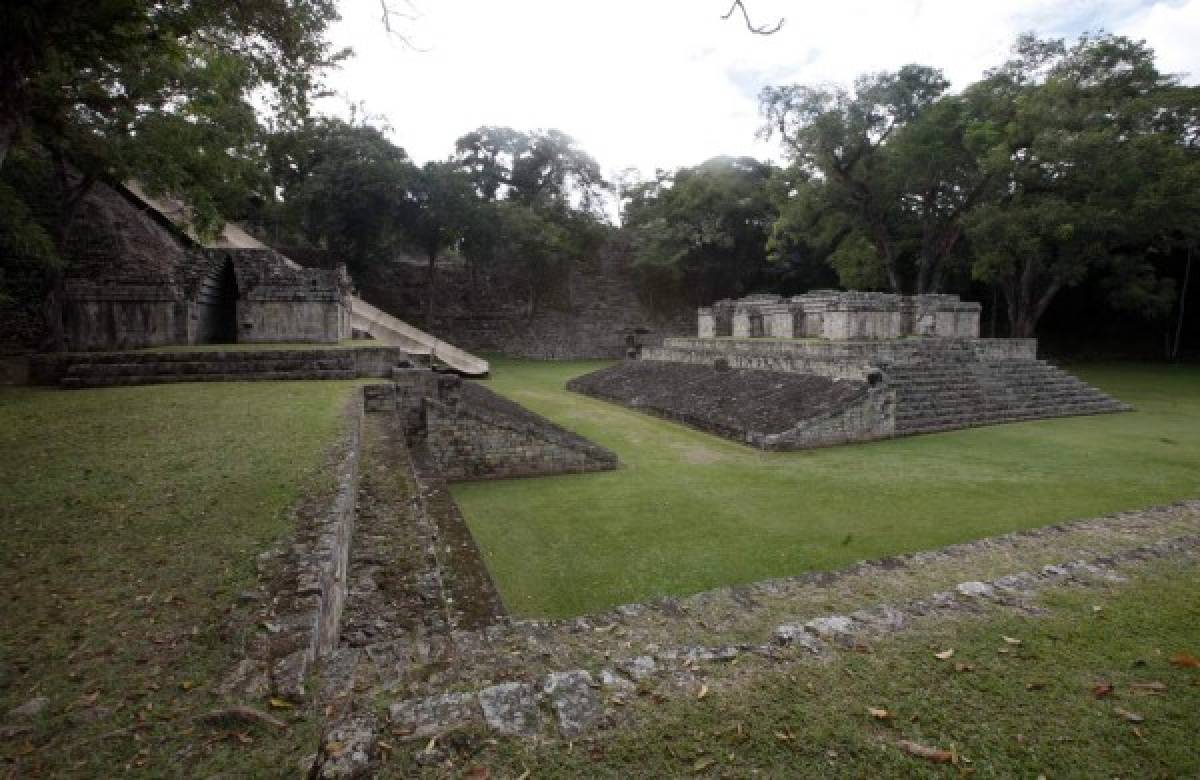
x=664, y=83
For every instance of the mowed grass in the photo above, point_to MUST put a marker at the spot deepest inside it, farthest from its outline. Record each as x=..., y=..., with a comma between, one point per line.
x=130, y=519
x=1041, y=708
x=687, y=511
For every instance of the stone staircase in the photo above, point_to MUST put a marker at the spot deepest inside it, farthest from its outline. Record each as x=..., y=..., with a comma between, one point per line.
x=143, y=368
x=947, y=394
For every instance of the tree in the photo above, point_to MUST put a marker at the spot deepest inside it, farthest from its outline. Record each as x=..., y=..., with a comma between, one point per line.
x=892, y=171
x=539, y=169
x=1094, y=173
x=343, y=187
x=704, y=228
x=444, y=208
x=159, y=92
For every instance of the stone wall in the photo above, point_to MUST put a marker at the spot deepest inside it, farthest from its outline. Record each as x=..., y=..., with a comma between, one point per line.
x=489, y=311
x=480, y=435
x=766, y=409
x=463, y=430
x=840, y=316
x=836, y=359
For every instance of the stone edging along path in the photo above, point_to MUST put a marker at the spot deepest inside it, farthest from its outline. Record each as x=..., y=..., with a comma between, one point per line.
x=541, y=678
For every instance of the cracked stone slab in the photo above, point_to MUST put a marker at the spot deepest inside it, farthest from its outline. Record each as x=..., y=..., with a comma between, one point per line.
x=511, y=709
x=975, y=589
x=838, y=628
x=435, y=714
x=883, y=618
x=289, y=674
x=610, y=680
x=349, y=749
x=638, y=668
x=797, y=634
x=575, y=702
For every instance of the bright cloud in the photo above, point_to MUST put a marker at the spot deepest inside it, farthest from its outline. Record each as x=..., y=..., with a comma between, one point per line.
x=666, y=83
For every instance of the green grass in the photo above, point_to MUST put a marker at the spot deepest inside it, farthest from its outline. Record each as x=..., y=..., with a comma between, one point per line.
x=130, y=520
x=1020, y=711
x=688, y=511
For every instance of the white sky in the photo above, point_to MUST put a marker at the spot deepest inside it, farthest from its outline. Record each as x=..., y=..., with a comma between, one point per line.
x=664, y=83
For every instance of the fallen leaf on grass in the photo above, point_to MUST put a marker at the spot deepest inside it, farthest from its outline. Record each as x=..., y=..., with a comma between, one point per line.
x=1153, y=688
x=1185, y=661
x=1010, y=640
x=477, y=773
x=878, y=713
x=784, y=736
x=281, y=704
x=936, y=755
x=944, y=654
x=1036, y=685
x=702, y=764
x=964, y=668
x=1100, y=690
x=1132, y=717
x=703, y=692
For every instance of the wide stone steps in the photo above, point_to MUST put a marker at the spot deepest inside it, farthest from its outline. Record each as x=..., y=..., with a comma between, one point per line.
x=124, y=369
x=940, y=397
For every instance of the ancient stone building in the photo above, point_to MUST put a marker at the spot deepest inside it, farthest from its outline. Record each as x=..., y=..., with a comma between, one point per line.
x=136, y=280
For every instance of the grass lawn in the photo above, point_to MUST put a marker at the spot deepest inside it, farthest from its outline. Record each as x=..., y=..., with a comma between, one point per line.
x=1006, y=710
x=688, y=511
x=129, y=521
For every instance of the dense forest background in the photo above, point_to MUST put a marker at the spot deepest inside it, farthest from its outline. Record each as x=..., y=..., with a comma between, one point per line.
x=1061, y=189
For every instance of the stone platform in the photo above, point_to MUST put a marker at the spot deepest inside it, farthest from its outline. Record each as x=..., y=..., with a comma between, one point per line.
x=918, y=385
x=109, y=369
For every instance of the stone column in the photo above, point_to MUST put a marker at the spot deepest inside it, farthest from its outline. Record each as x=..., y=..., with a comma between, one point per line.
x=741, y=323
x=779, y=321
x=706, y=323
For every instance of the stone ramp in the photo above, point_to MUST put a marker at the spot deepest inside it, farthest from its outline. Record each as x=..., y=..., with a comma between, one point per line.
x=745, y=405
x=386, y=329
x=947, y=395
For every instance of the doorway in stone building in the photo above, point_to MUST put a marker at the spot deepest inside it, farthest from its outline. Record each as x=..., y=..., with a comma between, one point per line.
x=225, y=328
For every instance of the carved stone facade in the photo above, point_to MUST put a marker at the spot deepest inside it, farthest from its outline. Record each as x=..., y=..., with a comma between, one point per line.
x=137, y=281
x=840, y=316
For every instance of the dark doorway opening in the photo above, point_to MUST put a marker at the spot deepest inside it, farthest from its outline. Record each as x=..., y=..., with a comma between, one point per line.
x=225, y=320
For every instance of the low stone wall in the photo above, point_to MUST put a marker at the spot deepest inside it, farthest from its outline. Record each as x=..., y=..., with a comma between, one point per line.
x=836, y=359
x=150, y=367
x=462, y=430
x=307, y=581
x=480, y=435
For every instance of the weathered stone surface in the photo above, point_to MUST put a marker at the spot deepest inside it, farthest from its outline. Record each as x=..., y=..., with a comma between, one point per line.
x=575, y=702
x=247, y=680
x=638, y=668
x=289, y=675
x=834, y=627
x=511, y=709
x=613, y=681
x=30, y=709
x=975, y=589
x=797, y=634
x=882, y=618
x=349, y=749
x=435, y=714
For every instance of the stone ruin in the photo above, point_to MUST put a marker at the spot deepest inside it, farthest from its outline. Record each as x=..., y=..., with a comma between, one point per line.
x=840, y=316
x=831, y=367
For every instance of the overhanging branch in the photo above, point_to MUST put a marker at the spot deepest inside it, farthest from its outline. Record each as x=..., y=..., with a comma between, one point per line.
x=759, y=30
